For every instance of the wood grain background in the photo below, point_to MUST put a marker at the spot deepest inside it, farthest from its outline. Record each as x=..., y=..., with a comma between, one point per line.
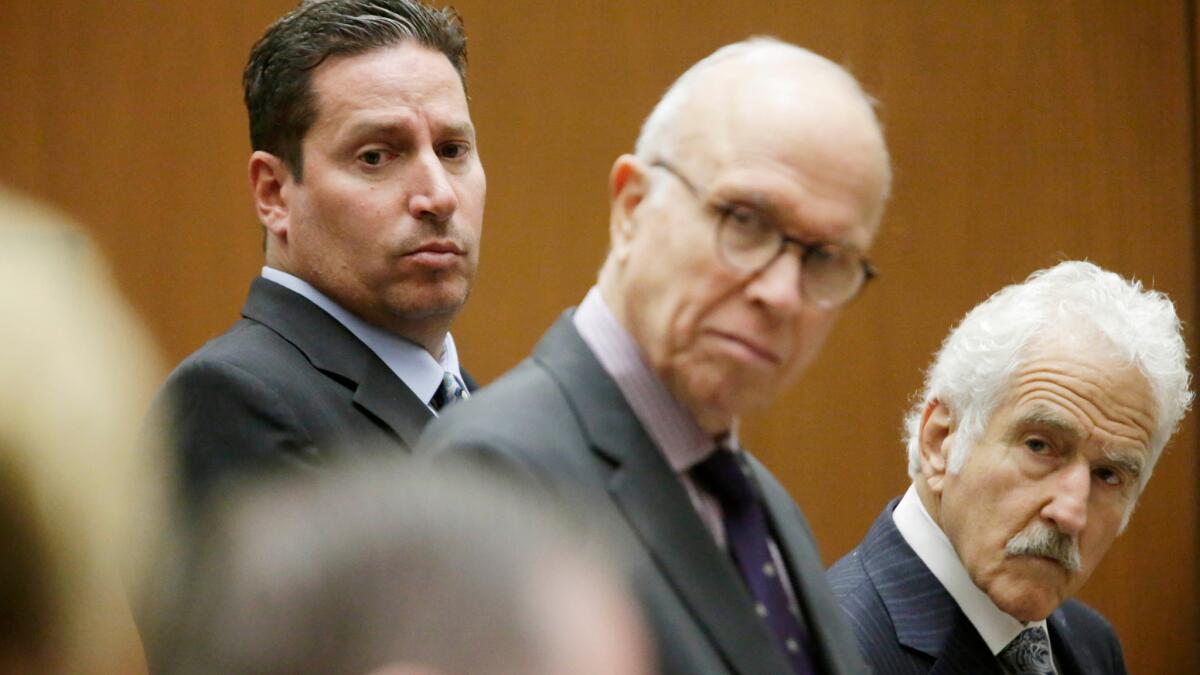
x=1022, y=133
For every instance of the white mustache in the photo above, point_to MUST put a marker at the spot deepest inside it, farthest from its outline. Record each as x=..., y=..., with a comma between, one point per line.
x=1046, y=542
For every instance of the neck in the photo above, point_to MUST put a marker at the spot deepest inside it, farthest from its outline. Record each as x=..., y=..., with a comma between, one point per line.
x=929, y=500
x=432, y=339
x=610, y=293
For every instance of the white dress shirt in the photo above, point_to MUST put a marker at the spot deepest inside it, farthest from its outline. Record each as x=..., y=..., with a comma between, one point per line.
x=415, y=366
x=931, y=545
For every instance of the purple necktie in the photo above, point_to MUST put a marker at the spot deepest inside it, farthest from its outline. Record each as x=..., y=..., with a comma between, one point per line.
x=727, y=479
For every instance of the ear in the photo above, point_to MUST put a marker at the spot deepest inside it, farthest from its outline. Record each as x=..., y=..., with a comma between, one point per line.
x=270, y=179
x=627, y=186
x=936, y=439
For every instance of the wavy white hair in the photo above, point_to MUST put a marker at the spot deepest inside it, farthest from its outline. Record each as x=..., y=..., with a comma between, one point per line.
x=971, y=372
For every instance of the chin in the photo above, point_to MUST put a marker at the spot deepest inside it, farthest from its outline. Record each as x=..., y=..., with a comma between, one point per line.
x=752, y=391
x=414, y=304
x=733, y=402
x=1026, y=603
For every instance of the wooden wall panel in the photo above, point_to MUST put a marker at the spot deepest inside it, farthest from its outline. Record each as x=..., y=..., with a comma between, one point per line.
x=1022, y=133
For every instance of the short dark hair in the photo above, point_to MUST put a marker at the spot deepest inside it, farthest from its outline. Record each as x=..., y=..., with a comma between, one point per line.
x=278, y=77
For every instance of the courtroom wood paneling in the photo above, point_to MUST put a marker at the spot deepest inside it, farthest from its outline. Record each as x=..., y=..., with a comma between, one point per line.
x=1193, y=620
x=1022, y=133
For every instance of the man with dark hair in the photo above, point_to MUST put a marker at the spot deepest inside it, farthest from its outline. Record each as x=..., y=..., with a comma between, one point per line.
x=366, y=178
x=278, y=79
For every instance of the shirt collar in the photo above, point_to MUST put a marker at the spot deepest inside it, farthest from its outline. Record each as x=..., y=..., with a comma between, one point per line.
x=931, y=545
x=670, y=425
x=415, y=366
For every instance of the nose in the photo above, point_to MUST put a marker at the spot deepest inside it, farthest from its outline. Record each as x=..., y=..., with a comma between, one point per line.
x=777, y=286
x=1067, y=508
x=430, y=193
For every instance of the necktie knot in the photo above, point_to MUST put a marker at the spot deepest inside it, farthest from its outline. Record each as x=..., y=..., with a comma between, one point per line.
x=723, y=476
x=449, y=392
x=1029, y=653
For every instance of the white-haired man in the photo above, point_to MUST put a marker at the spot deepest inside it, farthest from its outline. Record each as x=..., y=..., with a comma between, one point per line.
x=738, y=230
x=1043, y=415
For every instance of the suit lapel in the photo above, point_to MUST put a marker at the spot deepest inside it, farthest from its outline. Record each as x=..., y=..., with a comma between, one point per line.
x=925, y=616
x=385, y=396
x=656, y=506
x=334, y=350
x=1064, y=642
x=965, y=652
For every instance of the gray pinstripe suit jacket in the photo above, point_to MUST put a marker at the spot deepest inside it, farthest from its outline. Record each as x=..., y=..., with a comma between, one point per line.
x=907, y=623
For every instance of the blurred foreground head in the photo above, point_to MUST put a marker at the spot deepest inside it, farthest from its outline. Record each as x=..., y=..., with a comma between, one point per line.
x=76, y=374
x=392, y=567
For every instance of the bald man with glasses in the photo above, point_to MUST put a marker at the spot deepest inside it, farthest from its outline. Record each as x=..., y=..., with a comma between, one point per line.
x=737, y=235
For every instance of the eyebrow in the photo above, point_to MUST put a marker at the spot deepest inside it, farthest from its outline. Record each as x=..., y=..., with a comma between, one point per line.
x=1131, y=465
x=1041, y=417
x=372, y=127
x=459, y=129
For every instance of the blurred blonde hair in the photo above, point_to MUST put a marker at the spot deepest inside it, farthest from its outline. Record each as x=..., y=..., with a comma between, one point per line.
x=78, y=490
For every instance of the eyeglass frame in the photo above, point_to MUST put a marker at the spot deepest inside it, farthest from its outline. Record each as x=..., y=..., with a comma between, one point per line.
x=724, y=211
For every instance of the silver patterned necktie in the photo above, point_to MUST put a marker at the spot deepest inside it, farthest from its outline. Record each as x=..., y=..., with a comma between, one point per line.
x=450, y=392
x=1029, y=653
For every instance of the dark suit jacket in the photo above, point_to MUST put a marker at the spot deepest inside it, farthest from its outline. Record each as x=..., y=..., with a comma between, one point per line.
x=906, y=621
x=559, y=417
x=286, y=387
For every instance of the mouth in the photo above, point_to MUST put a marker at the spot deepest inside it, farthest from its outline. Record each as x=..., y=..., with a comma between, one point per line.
x=748, y=348
x=1049, y=560
x=441, y=254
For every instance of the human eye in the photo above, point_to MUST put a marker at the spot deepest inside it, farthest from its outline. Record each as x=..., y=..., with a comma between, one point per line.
x=745, y=220
x=1038, y=446
x=374, y=157
x=1109, y=475
x=1118, y=470
x=822, y=253
x=454, y=150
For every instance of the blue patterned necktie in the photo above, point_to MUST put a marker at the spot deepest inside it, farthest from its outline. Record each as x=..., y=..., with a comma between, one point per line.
x=1028, y=653
x=449, y=393
x=746, y=532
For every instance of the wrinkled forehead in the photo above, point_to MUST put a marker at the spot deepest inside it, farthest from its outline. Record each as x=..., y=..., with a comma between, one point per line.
x=1088, y=374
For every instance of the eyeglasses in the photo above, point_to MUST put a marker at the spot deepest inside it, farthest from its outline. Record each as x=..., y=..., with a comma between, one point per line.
x=830, y=275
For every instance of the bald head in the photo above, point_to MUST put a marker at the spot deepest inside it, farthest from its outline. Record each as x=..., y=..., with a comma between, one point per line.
x=738, y=87
x=760, y=144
